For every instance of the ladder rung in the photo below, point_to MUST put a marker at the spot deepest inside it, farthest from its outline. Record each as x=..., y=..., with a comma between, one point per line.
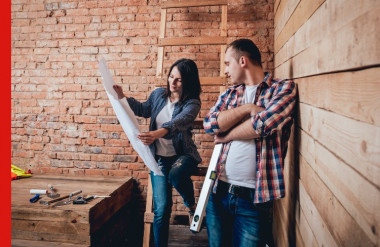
x=191, y=3
x=161, y=82
x=192, y=41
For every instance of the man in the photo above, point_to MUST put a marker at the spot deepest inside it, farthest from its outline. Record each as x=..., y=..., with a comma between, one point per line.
x=252, y=119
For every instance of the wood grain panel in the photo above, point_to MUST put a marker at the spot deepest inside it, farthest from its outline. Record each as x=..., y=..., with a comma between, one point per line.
x=314, y=219
x=352, y=94
x=316, y=197
x=356, y=143
x=346, y=185
x=339, y=50
x=285, y=11
x=300, y=15
x=328, y=19
x=305, y=232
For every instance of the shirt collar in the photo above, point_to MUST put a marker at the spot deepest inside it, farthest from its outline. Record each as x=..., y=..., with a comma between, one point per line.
x=267, y=79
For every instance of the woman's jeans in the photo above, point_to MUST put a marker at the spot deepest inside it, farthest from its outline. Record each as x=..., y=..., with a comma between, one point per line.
x=233, y=220
x=177, y=171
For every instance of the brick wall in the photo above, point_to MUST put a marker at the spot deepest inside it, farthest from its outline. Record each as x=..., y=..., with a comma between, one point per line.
x=62, y=121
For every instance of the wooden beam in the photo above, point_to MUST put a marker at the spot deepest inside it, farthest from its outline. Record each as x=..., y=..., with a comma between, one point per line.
x=191, y=3
x=223, y=33
x=204, y=81
x=192, y=41
x=160, y=51
x=148, y=210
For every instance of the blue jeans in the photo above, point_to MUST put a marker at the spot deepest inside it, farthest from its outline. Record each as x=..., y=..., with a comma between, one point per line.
x=235, y=221
x=177, y=171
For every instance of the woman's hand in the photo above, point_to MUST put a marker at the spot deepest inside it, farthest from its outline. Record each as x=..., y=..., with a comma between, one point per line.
x=149, y=137
x=119, y=91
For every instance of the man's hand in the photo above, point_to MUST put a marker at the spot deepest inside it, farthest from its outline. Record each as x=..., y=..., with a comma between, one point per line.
x=221, y=139
x=119, y=91
x=149, y=137
x=255, y=109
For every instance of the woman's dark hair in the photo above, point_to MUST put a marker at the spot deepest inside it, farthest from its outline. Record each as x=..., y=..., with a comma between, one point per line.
x=191, y=86
x=245, y=47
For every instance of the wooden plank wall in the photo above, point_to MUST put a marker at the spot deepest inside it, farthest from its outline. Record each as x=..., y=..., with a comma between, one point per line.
x=331, y=48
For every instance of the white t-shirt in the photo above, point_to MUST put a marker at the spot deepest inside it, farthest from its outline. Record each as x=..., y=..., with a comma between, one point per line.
x=164, y=147
x=241, y=158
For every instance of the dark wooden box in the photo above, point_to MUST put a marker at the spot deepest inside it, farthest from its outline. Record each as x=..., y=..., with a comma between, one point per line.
x=75, y=224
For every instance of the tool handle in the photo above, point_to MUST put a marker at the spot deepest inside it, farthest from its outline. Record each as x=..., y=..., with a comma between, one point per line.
x=75, y=192
x=63, y=197
x=35, y=198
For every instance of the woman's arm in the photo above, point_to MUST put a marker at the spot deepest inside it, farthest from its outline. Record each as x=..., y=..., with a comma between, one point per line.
x=140, y=109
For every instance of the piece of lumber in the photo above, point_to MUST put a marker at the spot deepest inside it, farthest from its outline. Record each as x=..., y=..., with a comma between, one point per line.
x=192, y=41
x=191, y=3
x=160, y=50
x=148, y=208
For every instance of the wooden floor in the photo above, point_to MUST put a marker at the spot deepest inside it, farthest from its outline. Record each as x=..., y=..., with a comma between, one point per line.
x=31, y=243
x=181, y=236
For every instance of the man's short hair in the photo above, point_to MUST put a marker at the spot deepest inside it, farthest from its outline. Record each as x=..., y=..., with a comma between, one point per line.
x=245, y=47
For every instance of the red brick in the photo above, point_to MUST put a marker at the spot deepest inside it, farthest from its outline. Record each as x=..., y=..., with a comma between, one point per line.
x=96, y=172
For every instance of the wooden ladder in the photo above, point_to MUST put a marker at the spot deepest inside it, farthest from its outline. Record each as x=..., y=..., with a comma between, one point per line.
x=179, y=41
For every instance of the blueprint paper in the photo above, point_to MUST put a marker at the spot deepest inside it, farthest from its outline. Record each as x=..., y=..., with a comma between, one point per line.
x=127, y=119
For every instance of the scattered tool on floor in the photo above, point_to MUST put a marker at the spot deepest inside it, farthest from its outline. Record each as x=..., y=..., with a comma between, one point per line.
x=35, y=198
x=85, y=199
x=62, y=203
x=38, y=191
x=61, y=198
x=53, y=192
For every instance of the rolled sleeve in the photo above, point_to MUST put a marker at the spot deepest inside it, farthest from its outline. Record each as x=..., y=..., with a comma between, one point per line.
x=279, y=110
x=210, y=123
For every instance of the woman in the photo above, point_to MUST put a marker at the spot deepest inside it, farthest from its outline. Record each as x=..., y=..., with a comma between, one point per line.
x=172, y=112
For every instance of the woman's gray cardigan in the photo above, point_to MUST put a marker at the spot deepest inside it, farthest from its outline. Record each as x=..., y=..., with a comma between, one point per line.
x=179, y=126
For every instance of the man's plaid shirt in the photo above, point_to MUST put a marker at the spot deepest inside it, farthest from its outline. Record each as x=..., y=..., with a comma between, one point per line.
x=278, y=97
